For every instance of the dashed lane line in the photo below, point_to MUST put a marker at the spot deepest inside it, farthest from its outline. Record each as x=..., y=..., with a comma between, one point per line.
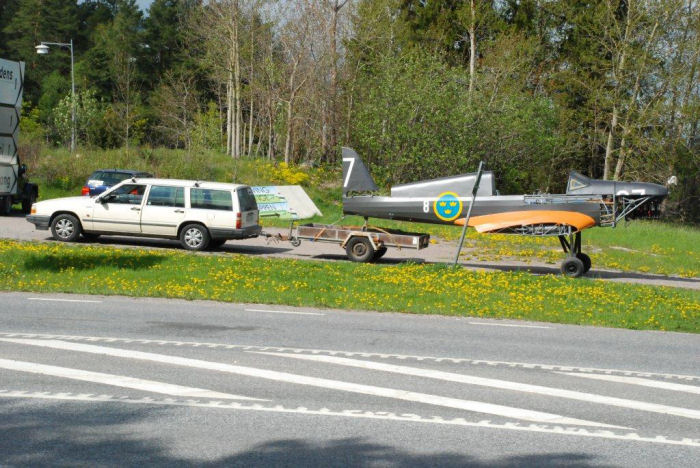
x=500, y=384
x=50, y=299
x=446, y=402
x=453, y=360
x=118, y=380
x=638, y=381
x=359, y=414
x=511, y=325
x=286, y=312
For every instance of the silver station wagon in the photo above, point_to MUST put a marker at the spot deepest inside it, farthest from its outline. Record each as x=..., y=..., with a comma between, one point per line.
x=199, y=214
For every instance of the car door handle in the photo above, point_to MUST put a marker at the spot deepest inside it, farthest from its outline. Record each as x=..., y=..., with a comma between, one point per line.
x=179, y=211
x=135, y=209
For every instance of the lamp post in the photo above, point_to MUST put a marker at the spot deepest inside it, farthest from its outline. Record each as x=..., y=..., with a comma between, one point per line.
x=43, y=49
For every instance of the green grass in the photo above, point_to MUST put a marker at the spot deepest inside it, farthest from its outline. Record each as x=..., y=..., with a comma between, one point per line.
x=412, y=288
x=648, y=247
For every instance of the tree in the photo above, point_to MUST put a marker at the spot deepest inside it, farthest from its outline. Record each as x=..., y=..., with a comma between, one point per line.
x=89, y=117
x=30, y=23
x=120, y=44
x=166, y=38
x=217, y=26
x=176, y=103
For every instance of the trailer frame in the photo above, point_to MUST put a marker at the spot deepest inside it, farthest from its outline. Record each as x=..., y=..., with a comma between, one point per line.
x=361, y=243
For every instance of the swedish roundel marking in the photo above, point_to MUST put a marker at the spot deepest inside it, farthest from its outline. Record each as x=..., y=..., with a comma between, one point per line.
x=448, y=206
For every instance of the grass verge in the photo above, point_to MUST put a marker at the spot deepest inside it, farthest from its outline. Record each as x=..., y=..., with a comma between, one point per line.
x=411, y=288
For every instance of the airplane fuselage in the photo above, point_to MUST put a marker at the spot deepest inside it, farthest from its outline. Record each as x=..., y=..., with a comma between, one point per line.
x=429, y=210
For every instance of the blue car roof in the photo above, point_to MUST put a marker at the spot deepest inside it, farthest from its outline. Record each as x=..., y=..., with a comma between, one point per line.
x=130, y=171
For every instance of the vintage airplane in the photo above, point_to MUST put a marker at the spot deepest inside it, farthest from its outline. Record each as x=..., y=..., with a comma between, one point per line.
x=587, y=203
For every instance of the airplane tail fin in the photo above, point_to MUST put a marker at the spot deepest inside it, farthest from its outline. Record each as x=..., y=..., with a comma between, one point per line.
x=356, y=176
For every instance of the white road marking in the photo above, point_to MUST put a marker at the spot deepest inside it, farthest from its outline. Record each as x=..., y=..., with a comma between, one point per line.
x=637, y=381
x=358, y=414
x=333, y=352
x=495, y=383
x=290, y=312
x=118, y=380
x=47, y=299
x=508, y=325
x=467, y=405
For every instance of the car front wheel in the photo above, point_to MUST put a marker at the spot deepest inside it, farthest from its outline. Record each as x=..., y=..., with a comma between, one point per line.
x=194, y=237
x=65, y=228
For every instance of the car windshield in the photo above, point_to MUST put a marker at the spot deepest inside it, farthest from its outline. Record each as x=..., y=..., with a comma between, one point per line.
x=109, y=177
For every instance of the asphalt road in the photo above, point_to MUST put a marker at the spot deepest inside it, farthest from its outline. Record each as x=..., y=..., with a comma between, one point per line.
x=16, y=227
x=113, y=381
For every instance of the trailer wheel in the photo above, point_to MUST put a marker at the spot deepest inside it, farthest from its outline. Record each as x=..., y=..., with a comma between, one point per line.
x=379, y=253
x=359, y=249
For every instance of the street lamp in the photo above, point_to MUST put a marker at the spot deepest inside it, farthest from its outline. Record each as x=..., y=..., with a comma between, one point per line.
x=43, y=49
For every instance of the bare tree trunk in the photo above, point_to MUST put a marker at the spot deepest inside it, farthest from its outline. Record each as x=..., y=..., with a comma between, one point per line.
x=329, y=148
x=288, y=135
x=616, y=74
x=271, y=120
x=221, y=114
x=622, y=152
x=229, y=114
x=243, y=140
x=290, y=104
x=250, y=87
x=609, y=146
x=127, y=119
x=237, y=83
x=633, y=103
x=349, y=118
x=472, y=47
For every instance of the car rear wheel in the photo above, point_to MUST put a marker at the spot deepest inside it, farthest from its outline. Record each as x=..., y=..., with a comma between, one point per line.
x=194, y=237
x=65, y=228
x=215, y=243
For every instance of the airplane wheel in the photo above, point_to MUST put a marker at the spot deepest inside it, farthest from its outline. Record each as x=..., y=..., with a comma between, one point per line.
x=572, y=267
x=586, y=261
x=295, y=241
x=359, y=249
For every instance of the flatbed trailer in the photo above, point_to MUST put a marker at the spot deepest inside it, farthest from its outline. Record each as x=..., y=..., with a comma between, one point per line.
x=362, y=244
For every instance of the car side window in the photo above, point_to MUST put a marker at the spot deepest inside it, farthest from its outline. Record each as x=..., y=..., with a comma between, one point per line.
x=129, y=194
x=166, y=196
x=211, y=199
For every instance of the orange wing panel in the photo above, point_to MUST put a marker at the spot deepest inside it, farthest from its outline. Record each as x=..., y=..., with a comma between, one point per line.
x=494, y=222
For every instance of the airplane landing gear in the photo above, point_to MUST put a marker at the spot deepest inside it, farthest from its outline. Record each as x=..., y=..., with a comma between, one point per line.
x=577, y=263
